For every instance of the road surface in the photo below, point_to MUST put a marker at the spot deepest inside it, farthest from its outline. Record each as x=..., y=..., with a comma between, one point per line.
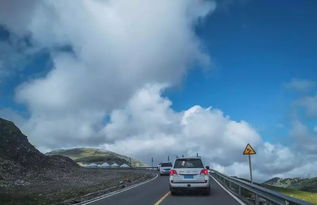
x=156, y=192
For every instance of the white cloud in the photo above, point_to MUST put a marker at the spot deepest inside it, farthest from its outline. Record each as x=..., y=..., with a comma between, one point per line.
x=306, y=140
x=17, y=15
x=271, y=161
x=305, y=170
x=276, y=158
x=148, y=125
x=310, y=105
x=303, y=112
x=300, y=85
x=118, y=46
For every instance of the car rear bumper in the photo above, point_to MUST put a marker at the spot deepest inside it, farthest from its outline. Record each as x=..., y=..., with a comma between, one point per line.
x=189, y=185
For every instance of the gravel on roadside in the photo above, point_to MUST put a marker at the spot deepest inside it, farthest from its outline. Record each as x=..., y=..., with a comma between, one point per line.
x=69, y=188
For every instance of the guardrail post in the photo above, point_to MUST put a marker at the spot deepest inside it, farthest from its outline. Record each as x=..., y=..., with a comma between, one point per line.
x=239, y=190
x=257, y=199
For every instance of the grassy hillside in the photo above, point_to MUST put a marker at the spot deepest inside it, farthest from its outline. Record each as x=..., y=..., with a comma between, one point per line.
x=282, y=185
x=303, y=195
x=90, y=155
x=301, y=184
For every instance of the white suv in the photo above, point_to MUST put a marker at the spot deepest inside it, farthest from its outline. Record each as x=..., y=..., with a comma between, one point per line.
x=189, y=173
x=165, y=168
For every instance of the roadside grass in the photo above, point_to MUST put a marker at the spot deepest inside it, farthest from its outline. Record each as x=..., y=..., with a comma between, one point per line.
x=303, y=195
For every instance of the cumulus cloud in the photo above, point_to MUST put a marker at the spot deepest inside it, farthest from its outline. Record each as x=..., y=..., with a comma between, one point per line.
x=148, y=127
x=306, y=140
x=148, y=116
x=117, y=47
x=106, y=89
x=300, y=85
x=272, y=160
x=304, y=110
x=17, y=15
x=303, y=113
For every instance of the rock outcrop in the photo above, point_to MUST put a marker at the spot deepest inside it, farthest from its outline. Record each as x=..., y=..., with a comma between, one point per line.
x=18, y=157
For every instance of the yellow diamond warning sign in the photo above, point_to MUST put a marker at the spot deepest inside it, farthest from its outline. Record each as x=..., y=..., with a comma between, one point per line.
x=249, y=150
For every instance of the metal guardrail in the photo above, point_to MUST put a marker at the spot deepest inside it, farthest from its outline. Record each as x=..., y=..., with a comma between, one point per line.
x=255, y=194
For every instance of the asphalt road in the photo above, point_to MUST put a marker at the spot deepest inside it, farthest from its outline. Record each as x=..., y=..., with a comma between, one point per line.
x=156, y=192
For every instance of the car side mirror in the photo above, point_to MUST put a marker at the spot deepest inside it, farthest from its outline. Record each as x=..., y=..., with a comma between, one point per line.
x=207, y=167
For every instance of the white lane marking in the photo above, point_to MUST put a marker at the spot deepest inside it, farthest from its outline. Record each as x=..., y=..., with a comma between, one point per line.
x=232, y=195
x=116, y=192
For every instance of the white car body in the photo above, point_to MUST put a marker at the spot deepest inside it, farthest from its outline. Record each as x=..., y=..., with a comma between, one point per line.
x=189, y=173
x=165, y=168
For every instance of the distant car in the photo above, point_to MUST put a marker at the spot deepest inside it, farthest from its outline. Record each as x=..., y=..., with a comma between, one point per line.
x=165, y=168
x=189, y=174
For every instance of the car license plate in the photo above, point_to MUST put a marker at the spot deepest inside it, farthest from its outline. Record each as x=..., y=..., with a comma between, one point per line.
x=188, y=176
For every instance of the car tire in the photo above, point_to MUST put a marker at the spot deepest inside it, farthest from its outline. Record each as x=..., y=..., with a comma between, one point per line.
x=173, y=191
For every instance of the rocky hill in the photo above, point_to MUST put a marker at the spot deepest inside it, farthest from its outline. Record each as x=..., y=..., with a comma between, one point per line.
x=29, y=177
x=302, y=184
x=84, y=156
x=18, y=157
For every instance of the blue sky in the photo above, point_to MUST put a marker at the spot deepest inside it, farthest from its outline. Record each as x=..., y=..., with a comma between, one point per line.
x=118, y=77
x=257, y=48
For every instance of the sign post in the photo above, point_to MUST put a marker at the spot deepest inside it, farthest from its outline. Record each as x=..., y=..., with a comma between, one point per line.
x=250, y=167
x=249, y=151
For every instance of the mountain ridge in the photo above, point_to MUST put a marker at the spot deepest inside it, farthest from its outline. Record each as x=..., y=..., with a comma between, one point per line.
x=84, y=156
x=18, y=157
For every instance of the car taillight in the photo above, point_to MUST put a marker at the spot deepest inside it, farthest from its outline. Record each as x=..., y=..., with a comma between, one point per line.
x=173, y=172
x=204, y=171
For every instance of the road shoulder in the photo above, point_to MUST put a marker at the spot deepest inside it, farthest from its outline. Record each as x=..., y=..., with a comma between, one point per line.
x=107, y=195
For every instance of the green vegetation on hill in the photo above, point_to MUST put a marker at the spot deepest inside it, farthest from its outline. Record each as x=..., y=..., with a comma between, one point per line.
x=301, y=188
x=90, y=155
x=301, y=184
x=295, y=187
x=303, y=195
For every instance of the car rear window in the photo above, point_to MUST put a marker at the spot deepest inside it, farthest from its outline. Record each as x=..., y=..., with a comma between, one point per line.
x=166, y=164
x=188, y=163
